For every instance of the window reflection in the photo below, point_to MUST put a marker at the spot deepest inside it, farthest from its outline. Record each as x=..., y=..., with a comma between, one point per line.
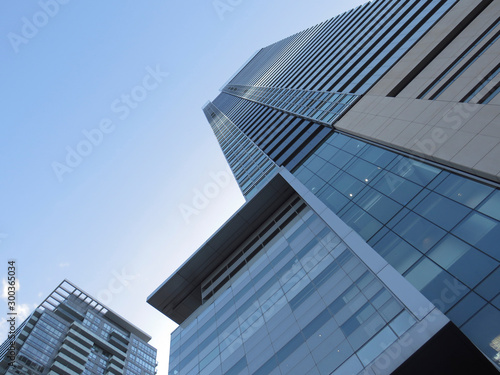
x=463, y=190
x=491, y=206
x=484, y=329
x=442, y=289
x=442, y=211
x=419, y=232
x=482, y=232
x=495, y=344
x=462, y=260
x=440, y=229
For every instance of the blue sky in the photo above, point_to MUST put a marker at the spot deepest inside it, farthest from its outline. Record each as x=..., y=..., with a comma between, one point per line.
x=110, y=174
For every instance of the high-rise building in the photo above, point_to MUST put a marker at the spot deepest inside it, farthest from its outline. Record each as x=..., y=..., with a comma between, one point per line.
x=367, y=149
x=71, y=333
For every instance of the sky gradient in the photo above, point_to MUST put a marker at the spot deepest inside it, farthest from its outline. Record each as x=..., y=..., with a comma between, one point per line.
x=110, y=175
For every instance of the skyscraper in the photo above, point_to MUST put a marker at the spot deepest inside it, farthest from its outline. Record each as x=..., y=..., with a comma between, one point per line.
x=367, y=148
x=72, y=333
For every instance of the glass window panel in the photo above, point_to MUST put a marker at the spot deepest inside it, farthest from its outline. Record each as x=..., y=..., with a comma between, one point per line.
x=419, y=232
x=333, y=199
x=342, y=255
x=351, y=266
x=376, y=345
x=496, y=302
x=377, y=155
x=341, y=301
x=318, y=114
x=373, y=288
x=362, y=222
x=363, y=170
x=489, y=288
x=491, y=206
x=463, y=190
x=325, y=106
x=338, y=354
x=310, y=111
x=324, y=96
x=328, y=171
x=462, y=260
x=205, y=361
x=398, y=217
x=390, y=309
x=378, y=205
x=418, y=198
x=267, y=367
x=346, y=98
x=289, y=347
x=347, y=185
x=378, y=236
x=303, y=174
x=415, y=171
x=354, y=146
x=271, y=296
x=397, y=252
x=315, y=163
x=335, y=97
x=350, y=326
x=340, y=159
x=226, y=341
x=337, y=108
x=326, y=151
x=357, y=319
x=484, y=330
x=347, y=207
x=466, y=308
x=442, y=289
x=396, y=187
x=402, y=323
x=439, y=178
x=481, y=232
x=296, y=232
x=302, y=296
x=315, y=184
x=353, y=305
x=306, y=237
x=317, y=226
x=326, y=274
x=238, y=367
x=442, y=211
x=380, y=298
x=316, y=324
x=366, y=330
x=365, y=280
x=328, y=117
x=349, y=367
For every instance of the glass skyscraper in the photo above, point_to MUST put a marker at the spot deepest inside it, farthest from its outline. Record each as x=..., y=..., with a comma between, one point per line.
x=72, y=333
x=367, y=148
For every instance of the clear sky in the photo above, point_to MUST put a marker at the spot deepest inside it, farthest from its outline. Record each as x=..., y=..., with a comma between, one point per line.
x=110, y=175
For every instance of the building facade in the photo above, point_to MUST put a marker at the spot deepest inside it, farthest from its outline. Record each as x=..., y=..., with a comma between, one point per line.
x=71, y=333
x=383, y=125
